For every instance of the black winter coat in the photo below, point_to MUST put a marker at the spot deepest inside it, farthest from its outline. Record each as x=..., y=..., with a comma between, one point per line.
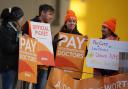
x=26, y=25
x=9, y=48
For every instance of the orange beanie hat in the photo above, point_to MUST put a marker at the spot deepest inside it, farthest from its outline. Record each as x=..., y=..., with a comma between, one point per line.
x=111, y=24
x=70, y=14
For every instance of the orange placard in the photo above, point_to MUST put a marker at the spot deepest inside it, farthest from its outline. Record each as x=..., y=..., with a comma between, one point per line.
x=71, y=53
x=27, y=59
x=44, y=56
x=119, y=81
x=58, y=79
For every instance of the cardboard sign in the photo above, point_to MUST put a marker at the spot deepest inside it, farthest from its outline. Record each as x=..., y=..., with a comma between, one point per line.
x=91, y=83
x=119, y=81
x=27, y=60
x=104, y=54
x=58, y=79
x=70, y=53
x=42, y=32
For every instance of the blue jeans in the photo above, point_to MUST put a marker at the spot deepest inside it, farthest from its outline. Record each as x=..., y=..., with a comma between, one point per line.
x=9, y=79
x=42, y=79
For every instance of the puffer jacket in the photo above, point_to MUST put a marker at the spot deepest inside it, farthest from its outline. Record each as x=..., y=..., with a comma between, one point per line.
x=9, y=48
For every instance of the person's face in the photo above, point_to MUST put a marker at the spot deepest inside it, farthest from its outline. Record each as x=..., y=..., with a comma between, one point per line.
x=105, y=31
x=47, y=17
x=71, y=23
x=21, y=21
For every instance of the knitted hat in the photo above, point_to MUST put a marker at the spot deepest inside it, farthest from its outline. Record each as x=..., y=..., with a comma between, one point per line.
x=111, y=24
x=70, y=14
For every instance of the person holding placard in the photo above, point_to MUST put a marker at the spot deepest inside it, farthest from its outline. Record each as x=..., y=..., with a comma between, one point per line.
x=70, y=26
x=46, y=15
x=108, y=33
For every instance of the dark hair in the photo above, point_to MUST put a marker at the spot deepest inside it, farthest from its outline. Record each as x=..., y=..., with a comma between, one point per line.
x=11, y=14
x=45, y=8
x=112, y=33
x=115, y=35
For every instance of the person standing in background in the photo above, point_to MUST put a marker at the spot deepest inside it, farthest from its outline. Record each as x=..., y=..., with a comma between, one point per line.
x=12, y=20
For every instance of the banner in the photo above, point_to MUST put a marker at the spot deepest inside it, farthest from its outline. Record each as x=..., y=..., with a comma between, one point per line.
x=42, y=32
x=119, y=81
x=104, y=54
x=71, y=53
x=91, y=83
x=27, y=60
x=58, y=79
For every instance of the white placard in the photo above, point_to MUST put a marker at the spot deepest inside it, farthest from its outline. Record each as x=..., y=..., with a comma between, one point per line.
x=42, y=32
x=104, y=54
